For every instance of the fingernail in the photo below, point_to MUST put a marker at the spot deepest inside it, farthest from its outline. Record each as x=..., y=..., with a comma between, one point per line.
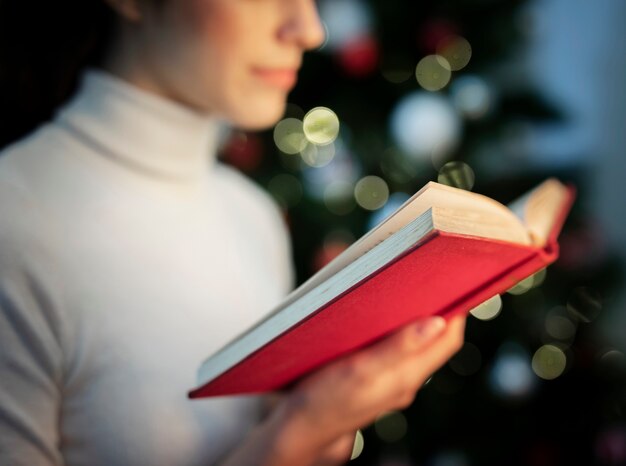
x=431, y=327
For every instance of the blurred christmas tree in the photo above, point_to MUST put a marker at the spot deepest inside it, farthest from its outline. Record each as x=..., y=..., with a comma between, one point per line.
x=407, y=92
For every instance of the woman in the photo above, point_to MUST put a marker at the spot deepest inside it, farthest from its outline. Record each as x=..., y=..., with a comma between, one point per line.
x=127, y=254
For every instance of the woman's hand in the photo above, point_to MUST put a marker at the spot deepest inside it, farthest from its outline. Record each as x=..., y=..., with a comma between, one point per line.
x=315, y=422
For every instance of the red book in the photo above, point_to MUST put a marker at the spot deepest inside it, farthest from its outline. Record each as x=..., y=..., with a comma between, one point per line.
x=443, y=252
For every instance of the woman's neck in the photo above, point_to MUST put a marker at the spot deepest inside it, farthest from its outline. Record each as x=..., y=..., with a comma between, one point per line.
x=141, y=129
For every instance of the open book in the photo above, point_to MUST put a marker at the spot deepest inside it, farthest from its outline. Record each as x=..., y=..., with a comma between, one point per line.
x=443, y=252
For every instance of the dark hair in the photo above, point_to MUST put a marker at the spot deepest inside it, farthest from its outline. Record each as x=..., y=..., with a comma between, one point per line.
x=44, y=45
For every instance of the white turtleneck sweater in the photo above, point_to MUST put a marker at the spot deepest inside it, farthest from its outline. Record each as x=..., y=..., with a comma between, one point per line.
x=128, y=254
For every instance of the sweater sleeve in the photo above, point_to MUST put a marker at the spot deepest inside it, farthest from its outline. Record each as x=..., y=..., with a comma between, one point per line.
x=31, y=356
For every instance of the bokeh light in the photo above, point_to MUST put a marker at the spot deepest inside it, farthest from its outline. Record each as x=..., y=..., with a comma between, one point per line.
x=371, y=192
x=558, y=325
x=539, y=277
x=397, y=167
x=423, y=123
x=522, y=286
x=345, y=22
x=549, y=362
x=391, y=427
x=339, y=197
x=293, y=110
x=286, y=188
x=457, y=174
x=433, y=72
x=321, y=125
x=359, y=444
x=393, y=203
x=360, y=57
x=489, y=309
x=471, y=96
x=456, y=51
x=528, y=283
x=397, y=69
x=467, y=361
x=612, y=363
x=318, y=156
x=614, y=356
x=584, y=304
x=326, y=34
x=511, y=375
x=343, y=168
x=289, y=136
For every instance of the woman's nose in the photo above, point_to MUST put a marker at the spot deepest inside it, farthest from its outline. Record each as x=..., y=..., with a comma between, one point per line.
x=303, y=24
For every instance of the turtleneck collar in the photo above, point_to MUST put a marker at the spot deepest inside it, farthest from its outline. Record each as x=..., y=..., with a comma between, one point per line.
x=141, y=130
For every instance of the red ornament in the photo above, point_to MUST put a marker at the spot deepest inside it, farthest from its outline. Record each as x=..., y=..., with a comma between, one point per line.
x=359, y=57
x=327, y=253
x=434, y=32
x=611, y=445
x=244, y=151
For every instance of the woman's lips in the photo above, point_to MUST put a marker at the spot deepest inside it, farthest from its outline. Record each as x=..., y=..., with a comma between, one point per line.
x=284, y=78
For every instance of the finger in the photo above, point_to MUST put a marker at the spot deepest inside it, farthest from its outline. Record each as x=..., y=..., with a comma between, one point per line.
x=389, y=370
x=399, y=380
x=408, y=340
x=368, y=381
x=338, y=451
x=424, y=363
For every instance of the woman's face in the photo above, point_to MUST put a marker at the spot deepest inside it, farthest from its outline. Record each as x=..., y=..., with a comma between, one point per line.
x=237, y=59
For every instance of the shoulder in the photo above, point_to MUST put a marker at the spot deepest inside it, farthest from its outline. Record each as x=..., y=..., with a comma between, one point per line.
x=31, y=287
x=28, y=234
x=21, y=217
x=39, y=141
x=249, y=189
x=28, y=165
x=249, y=195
